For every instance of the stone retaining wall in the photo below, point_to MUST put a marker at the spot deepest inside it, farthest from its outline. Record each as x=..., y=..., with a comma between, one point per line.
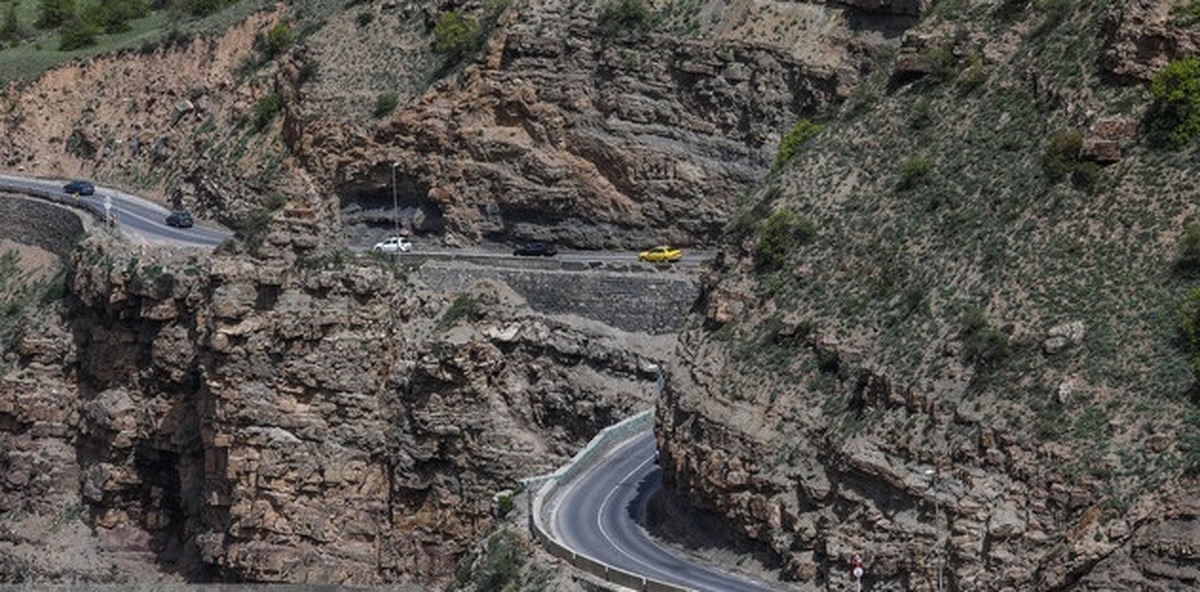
x=646, y=302
x=32, y=222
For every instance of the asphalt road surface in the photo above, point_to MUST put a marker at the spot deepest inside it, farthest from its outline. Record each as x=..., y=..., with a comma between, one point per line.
x=600, y=514
x=138, y=218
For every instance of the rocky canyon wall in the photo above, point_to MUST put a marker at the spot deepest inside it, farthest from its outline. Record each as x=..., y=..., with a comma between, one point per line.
x=308, y=421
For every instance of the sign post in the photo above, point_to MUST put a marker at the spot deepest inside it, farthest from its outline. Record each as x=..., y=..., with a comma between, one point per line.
x=856, y=569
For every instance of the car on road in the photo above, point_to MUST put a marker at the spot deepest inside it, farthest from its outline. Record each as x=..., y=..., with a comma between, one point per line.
x=180, y=219
x=78, y=187
x=536, y=249
x=660, y=254
x=395, y=244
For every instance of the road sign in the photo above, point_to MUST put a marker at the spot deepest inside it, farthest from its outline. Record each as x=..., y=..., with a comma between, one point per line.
x=858, y=572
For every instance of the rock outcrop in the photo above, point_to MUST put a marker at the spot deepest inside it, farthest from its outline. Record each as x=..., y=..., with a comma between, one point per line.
x=1142, y=37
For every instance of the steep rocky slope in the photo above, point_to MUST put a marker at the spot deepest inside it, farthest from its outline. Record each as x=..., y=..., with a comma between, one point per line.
x=942, y=340
x=297, y=418
x=557, y=128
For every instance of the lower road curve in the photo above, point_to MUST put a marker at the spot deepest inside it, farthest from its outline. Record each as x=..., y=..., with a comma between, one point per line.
x=601, y=514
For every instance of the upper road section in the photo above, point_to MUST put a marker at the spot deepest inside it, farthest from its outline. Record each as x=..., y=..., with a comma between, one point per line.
x=138, y=218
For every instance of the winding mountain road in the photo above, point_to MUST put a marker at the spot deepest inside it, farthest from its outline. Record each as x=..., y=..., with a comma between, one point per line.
x=600, y=514
x=138, y=218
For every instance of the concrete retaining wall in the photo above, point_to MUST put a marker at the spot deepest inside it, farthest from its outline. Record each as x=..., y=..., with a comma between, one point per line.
x=543, y=487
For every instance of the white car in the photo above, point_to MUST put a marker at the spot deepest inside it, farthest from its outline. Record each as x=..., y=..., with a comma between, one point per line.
x=395, y=244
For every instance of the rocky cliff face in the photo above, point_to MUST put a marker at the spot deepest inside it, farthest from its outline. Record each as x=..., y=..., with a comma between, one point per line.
x=957, y=366
x=309, y=419
x=557, y=128
x=592, y=137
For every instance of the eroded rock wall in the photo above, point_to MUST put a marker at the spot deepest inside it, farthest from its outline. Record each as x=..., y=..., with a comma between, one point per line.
x=305, y=420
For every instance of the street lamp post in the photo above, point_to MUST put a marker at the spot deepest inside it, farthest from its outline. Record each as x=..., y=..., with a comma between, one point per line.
x=937, y=520
x=395, y=203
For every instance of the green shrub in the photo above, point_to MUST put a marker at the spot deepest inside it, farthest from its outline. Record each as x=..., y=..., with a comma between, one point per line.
x=253, y=228
x=78, y=33
x=1086, y=177
x=279, y=39
x=11, y=31
x=802, y=132
x=1011, y=9
x=502, y=562
x=1189, y=328
x=309, y=70
x=1188, y=260
x=1053, y=12
x=943, y=65
x=266, y=108
x=983, y=345
x=974, y=76
x=54, y=13
x=1189, y=444
x=626, y=17
x=922, y=114
x=204, y=7
x=914, y=172
x=783, y=231
x=365, y=18
x=114, y=16
x=1174, y=116
x=385, y=103
x=1061, y=156
x=463, y=307
x=456, y=35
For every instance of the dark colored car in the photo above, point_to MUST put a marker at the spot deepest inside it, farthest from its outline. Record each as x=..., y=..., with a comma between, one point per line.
x=180, y=220
x=536, y=249
x=79, y=188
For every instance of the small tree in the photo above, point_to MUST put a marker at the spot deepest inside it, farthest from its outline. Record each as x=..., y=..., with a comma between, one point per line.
x=1188, y=260
x=783, y=231
x=455, y=35
x=914, y=172
x=11, y=30
x=983, y=345
x=54, y=13
x=626, y=17
x=801, y=133
x=279, y=39
x=1174, y=116
x=1061, y=156
x=266, y=108
x=1189, y=329
x=385, y=103
x=78, y=33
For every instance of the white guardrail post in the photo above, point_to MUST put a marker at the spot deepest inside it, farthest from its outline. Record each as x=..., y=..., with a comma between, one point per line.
x=543, y=487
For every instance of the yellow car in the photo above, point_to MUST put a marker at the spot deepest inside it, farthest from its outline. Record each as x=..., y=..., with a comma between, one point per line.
x=661, y=254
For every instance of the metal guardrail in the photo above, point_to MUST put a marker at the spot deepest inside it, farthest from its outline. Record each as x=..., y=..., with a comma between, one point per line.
x=544, y=487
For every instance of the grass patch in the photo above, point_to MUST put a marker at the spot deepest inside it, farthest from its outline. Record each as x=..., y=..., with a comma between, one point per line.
x=38, y=50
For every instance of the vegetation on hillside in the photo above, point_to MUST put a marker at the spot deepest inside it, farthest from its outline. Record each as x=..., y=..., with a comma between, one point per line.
x=36, y=35
x=961, y=221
